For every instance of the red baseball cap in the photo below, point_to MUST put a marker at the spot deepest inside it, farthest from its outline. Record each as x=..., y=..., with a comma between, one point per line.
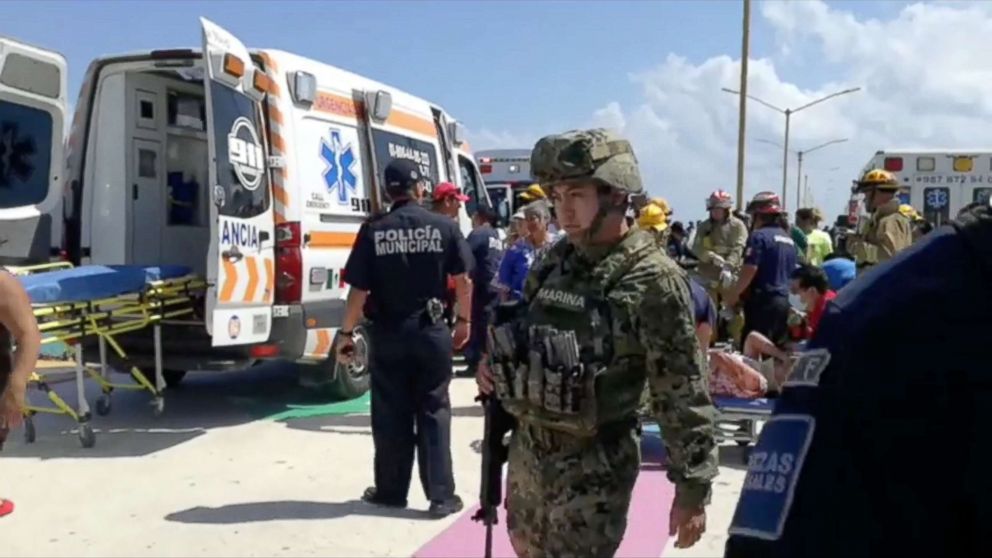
x=447, y=189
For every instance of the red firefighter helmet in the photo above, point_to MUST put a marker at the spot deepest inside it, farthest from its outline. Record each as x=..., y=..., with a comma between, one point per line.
x=765, y=203
x=720, y=199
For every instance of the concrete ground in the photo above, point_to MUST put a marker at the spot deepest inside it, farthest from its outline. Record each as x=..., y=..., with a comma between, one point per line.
x=240, y=464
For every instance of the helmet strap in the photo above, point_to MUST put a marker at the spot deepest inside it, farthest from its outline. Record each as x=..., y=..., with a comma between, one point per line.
x=606, y=206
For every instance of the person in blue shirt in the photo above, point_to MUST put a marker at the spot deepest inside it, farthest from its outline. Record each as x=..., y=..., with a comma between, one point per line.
x=487, y=250
x=878, y=445
x=763, y=284
x=518, y=259
x=840, y=270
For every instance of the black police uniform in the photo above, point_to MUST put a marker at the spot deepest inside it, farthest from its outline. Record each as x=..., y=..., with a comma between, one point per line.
x=878, y=445
x=403, y=259
x=766, y=306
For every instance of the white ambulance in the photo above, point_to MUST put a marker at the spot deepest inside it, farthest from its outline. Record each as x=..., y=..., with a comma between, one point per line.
x=937, y=182
x=506, y=173
x=254, y=168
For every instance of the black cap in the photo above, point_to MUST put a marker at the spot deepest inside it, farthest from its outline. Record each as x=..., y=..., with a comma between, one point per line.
x=401, y=175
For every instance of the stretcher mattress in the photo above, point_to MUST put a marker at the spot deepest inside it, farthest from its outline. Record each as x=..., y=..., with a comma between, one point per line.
x=95, y=282
x=761, y=406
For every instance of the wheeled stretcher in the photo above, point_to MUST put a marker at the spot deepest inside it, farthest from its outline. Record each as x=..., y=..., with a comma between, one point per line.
x=98, y=303
x=737, y=418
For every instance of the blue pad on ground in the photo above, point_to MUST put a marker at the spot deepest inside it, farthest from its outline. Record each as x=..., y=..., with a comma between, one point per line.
x=93, y=282
x=739, y=405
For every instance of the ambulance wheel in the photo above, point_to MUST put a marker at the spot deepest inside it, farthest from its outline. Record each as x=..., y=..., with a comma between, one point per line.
x=86, y=436
x=173, y=378
x=353, y=380
x=103, y=405
x=30, y=434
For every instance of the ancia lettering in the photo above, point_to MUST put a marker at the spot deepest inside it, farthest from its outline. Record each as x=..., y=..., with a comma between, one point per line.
x=239, y=234
x=421, y=240
x=768, y=471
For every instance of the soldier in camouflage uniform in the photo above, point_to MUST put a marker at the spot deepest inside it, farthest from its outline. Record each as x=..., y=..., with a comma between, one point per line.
x=604, y=312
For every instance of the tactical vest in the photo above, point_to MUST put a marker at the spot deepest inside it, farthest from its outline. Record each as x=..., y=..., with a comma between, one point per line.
x=558, y=366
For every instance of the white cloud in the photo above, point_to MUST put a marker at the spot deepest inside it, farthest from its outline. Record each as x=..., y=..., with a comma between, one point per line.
x=925, y=83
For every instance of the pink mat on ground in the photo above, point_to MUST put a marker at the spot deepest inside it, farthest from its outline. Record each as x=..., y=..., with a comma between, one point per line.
x=646, y=536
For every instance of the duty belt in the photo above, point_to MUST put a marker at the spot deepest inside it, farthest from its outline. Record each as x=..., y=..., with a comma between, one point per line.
x=434, y=310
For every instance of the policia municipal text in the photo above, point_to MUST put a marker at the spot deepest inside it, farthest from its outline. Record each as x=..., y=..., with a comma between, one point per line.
x=412, y=345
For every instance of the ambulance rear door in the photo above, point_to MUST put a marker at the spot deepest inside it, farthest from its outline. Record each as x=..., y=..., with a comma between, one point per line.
x=33, y=110
x=240, y=266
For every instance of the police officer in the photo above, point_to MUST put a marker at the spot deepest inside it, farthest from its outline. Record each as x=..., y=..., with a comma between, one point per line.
x=487, y=251
x=402, y=259
x=769, y=259
x=878, y=445
x=604, y=310
x=888, y=231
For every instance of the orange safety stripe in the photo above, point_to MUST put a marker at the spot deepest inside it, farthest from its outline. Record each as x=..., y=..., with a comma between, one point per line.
x=277, y=142
x=269, y=279
x=230, y=280
x=252, y=280
x=344, y=106
x=270, y=64
x=281, y=195
x=275, y=115
x=323, y=342
x=331, y=239
x=412, y=123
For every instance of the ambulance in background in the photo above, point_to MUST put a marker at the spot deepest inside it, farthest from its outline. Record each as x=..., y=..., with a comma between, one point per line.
x=254, y=168
x=506, y=173
x=936, y=182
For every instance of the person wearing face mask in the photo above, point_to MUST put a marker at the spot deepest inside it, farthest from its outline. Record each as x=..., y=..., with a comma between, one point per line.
x=810, y=292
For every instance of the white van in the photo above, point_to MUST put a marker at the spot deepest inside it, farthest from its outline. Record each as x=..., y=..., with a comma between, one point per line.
x=253, y=168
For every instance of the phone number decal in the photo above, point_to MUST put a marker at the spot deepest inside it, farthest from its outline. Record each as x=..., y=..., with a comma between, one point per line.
x=954, y=179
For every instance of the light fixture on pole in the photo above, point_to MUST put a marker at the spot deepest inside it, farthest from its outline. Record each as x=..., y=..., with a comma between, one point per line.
x=799, y=158
x=788, y=116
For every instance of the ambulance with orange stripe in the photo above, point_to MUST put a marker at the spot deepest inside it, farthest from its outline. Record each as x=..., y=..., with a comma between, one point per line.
x=255, y=168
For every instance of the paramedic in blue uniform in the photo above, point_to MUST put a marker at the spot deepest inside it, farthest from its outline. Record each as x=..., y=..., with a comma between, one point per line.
x=763, y=284
x=402, y=258
x=879, y=442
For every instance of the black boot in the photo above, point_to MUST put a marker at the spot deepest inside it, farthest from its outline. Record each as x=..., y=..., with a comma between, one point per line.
x=371, y=496
x=445, y=508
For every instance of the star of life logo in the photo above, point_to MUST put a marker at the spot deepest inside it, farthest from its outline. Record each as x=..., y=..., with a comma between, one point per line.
x=340, y=172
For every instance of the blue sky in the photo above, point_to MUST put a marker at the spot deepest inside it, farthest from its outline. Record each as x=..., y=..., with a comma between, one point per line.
x=494, y=65
x=516, y=69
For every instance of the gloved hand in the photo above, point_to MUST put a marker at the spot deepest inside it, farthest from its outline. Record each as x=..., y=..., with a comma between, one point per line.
x=717, y=260
x=726, y=279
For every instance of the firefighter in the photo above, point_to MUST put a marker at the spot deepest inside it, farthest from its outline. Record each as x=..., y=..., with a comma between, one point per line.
x=719, y=245
x=888, y=231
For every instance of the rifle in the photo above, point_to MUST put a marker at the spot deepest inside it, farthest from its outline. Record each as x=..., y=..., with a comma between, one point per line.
x=494, y=453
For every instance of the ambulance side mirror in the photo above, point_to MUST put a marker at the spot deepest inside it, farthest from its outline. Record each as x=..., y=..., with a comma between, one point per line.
x=379, y=103
x=457, y=133
x=303, y=88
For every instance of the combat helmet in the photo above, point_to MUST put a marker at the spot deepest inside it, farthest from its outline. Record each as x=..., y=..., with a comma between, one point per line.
x=595, y=154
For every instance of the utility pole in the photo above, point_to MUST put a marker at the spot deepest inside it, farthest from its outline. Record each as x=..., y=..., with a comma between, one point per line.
x=799, y=181
x=745, y=44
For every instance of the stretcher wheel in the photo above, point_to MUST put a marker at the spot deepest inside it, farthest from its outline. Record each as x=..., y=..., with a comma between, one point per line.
x=30, y=434
x=86, y=436
x=158, y=406
x=103, y=405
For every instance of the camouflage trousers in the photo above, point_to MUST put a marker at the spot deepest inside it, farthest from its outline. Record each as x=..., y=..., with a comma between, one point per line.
x=568, y=497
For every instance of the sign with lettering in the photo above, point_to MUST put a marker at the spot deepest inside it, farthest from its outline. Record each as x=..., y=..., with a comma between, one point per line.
x=389, y=146
x=772, y=474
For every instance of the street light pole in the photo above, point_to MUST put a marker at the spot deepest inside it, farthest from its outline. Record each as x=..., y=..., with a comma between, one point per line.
x=785, y=157
x=799, y=180
x=745, y=43
x=788, y=114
